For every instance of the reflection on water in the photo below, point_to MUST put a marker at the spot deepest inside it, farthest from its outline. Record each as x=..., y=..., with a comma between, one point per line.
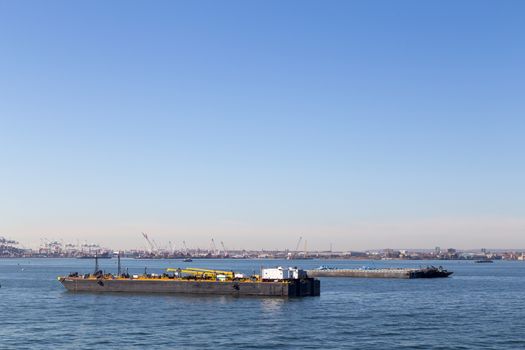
x=272, y=306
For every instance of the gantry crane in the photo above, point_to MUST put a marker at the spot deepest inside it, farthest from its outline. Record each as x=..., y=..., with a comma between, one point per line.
x=150, y=244
x=298, y=244
x=185, y=248
x=224, y=251
x=214, y=248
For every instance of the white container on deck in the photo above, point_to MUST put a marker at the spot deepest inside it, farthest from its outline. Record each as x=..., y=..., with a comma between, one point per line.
x=274, y=273
x=280, y=273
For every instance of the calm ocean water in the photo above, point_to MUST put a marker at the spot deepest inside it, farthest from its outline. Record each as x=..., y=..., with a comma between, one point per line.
x=482, y=306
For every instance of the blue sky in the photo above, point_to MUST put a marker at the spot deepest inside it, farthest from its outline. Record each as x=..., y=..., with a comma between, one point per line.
x=367, y=124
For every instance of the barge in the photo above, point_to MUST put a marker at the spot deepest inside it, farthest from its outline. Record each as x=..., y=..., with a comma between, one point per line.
x=273, y=282
x=407, y=273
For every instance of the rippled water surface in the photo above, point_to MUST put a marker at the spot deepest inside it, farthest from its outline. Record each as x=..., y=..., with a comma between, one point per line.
x=482, y=306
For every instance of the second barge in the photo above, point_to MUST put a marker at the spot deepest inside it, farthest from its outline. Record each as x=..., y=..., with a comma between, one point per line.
x=429, y=272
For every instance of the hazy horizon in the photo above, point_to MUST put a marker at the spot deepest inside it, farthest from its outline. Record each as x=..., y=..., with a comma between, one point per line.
x=362, y=236
x=364, y=126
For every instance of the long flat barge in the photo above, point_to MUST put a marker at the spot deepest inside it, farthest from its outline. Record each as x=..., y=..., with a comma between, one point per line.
x=220, y=283
x=406, y=273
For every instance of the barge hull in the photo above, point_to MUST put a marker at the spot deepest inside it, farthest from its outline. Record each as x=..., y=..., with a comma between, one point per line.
x=292, y=288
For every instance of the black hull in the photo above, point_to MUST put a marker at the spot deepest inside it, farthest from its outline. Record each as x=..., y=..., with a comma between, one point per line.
x=292, y=288
x=430, y=274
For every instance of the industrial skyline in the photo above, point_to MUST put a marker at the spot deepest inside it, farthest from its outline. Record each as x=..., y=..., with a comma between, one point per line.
x=218, y=243
x=218, y=250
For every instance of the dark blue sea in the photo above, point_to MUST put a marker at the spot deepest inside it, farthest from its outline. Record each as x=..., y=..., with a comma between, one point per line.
x=482, y=306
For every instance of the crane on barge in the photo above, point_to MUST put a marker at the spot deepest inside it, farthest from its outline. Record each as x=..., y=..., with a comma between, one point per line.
x=203, y=273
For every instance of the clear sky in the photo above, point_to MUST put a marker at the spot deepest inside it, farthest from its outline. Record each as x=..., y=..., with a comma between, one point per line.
x=366, y=124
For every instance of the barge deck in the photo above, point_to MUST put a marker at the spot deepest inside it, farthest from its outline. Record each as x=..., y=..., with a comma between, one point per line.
x=407, y=273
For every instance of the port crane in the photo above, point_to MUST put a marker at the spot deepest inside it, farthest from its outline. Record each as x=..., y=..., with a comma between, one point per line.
x=224, y=251
x=293, y=254
x=185, y=248
x=150, y=244
x=214, y=249
x=155, y=245
x=298, y=244
x=305, y=251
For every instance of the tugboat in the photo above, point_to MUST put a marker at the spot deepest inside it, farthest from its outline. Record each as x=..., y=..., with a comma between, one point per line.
x=484, y=261
x=431, y=272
